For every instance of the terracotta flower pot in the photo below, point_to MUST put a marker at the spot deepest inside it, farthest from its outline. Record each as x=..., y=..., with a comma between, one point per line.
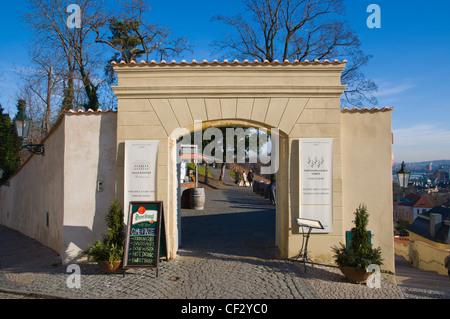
x=354, y=275
x=111, y=268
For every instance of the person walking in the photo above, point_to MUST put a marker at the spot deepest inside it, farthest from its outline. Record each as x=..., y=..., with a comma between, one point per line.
x=272, y=188
x=250, y=177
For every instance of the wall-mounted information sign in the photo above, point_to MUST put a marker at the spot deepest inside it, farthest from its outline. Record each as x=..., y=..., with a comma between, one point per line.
x=316, y=181
x=140, y=171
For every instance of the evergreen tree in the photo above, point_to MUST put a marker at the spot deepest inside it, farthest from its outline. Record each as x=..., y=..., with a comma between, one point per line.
x=114, y=222
x=111, y=247
x=124, y=39
x=359, y=253
x=9, y=146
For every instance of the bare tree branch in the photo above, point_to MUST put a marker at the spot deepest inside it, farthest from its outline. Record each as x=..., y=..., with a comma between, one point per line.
x=77, y=47
x=299, y=29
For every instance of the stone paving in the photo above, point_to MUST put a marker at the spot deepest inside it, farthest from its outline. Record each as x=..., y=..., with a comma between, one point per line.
x=227, y=252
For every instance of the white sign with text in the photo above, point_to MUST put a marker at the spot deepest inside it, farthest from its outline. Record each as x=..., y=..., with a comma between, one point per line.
x=140, y=171
x=316, y=181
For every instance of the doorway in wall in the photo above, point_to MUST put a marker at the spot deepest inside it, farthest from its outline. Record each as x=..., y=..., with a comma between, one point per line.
x=221, y=210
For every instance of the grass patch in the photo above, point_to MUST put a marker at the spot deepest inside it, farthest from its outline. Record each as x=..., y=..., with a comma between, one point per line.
x=201, y=169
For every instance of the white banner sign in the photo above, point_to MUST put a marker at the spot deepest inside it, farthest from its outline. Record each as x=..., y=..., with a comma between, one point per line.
x=316, y=181
x=140, y=171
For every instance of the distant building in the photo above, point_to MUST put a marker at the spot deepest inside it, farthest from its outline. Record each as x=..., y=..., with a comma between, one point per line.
x=421, y=207
x=409, y=207
x=429, y=240
x=433, y=226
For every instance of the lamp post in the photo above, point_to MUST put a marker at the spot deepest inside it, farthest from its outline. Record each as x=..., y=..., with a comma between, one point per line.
x=403, y=177
x=22, y=123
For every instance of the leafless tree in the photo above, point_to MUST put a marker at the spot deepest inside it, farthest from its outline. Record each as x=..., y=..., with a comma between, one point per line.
x=41, y=87
x=299, y=29
x=47, y=19
x=44, y=79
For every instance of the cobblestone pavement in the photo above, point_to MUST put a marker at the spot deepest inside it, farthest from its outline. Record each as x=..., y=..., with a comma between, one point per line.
x=227, y=252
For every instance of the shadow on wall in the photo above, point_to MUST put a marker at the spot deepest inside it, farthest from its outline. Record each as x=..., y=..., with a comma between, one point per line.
x=77, y=238
x=294, y=171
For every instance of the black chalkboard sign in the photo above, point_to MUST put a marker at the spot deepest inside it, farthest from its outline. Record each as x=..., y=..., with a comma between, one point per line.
x=142, y=247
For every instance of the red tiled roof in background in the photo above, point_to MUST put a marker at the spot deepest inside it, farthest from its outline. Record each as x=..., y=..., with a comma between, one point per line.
x=413, y=197
x=422, y=202
x=415, y=201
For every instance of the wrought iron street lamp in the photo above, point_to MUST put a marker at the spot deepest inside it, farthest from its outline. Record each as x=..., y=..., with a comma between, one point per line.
x=23, y=123
x=403, y=177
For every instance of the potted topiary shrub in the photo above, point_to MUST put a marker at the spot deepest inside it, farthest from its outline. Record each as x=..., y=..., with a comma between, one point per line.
x=354, y=259
x=108, y=252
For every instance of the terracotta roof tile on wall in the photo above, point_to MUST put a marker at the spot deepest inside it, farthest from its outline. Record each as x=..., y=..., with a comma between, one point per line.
x=226, y=62
x=80, y=111
x=365, y=109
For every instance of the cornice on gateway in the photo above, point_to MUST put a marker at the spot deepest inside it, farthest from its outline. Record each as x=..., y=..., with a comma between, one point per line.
x=227, y=92
x=229, y=79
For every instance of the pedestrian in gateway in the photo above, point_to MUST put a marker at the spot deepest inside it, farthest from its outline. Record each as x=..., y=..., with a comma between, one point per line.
x=250, y=177
x=272, y=187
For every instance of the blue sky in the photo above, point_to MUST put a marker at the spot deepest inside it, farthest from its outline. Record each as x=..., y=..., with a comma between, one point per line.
x=409, y=65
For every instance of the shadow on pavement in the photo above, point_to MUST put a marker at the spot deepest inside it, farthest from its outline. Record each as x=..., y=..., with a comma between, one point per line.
x=235, y=222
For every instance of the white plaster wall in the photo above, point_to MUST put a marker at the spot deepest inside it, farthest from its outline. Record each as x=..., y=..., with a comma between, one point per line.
x=367, y=175
x=90, y=157
x=35, y=191
x=80, y=151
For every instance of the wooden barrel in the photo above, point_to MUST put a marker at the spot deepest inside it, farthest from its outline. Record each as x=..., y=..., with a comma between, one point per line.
x=255, y=186
x=197, y=198
x=266, y=190
x=259, y=186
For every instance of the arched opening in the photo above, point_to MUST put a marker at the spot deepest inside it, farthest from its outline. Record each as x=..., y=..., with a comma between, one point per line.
x=236, y=219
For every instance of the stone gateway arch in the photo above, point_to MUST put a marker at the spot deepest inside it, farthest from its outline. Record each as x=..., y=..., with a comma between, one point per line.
x=301, y=100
